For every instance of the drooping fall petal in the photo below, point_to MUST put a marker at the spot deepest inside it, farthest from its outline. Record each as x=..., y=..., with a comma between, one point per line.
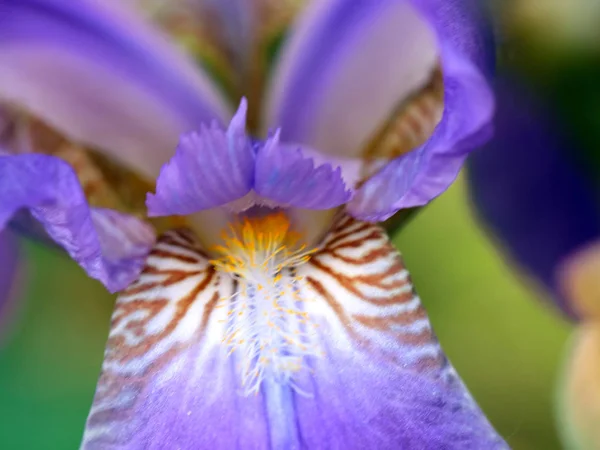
x=370, y=372
x=110, y=246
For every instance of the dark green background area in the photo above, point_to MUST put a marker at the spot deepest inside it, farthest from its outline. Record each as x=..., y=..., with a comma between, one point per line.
x=503, y=341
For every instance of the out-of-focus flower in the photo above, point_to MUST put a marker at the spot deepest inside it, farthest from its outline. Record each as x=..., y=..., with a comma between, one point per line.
x=579, y=391
x=9, y=253
x=531, y=190
x=281, y=289
x=537, y=197
x=555, y=23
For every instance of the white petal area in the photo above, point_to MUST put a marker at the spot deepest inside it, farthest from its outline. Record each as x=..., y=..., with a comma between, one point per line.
x=312, y=224
x=345, y=68
x=209, y=224
x=365, y=299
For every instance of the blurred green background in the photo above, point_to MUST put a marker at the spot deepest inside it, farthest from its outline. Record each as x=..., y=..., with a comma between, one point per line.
x=503, y=341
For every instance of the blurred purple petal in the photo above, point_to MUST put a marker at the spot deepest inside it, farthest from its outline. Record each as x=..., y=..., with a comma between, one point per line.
x=529, y=190
x=379, y=380
x=416, y=178
x=110, y=247
x=9, y=253
x=347, y=65
x=209, y=169
x=100, y=75
x=235, y=23
x=26, y=226
x=288, y=177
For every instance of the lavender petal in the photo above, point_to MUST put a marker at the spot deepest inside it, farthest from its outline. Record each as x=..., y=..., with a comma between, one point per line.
x=210, y=168
x=102, y=76
x=110, y=246
x=466, y=51
x=371, y=373
x=288, y=177
x=347, y=65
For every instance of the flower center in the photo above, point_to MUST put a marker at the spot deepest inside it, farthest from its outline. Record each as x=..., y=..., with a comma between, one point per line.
x=267, y=323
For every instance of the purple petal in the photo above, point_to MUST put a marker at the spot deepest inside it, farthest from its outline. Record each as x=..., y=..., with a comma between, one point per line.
x=412, y=412
x=101, y=76
x=124, y=241
x=530, y=191
x=110, y=246
x=209, y=169
x=465, y=51
x=235, y=23
x=347, y=66
x=289, y=178
x=9, y=253
x=418, y=177
x=381, y=382
x=384, y=371
x=429, y=170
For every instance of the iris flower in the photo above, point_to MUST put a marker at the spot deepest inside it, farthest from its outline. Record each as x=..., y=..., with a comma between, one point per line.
x=281, y=316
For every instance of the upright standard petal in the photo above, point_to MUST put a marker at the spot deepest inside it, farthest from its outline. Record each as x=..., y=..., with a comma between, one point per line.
x=466, y=54
x=100, y=75
x=110, y=246
x=527, y=187
x=346, y=67
x=209, y=169
x=234, y=25
x=359, y=366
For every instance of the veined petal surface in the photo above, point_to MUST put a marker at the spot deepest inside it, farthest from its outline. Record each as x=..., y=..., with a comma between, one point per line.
x=290, y=178
x=379, y=380
x=110, y=246
x=210, y=168
x=102, y=76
